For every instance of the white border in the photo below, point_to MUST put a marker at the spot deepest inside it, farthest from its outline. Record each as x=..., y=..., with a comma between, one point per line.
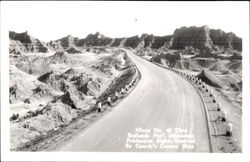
x=6, y=155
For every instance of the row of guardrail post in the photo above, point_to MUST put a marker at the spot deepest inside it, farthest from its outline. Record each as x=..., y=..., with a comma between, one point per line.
x=118, y=94
x=204, y=87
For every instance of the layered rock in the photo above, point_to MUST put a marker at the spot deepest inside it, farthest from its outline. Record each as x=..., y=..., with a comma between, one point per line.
x=205, y=39
x=63, y=43
x=226, y=40
x=24, y=42
x=201, y=39
x=96, y=39
x=197, y=37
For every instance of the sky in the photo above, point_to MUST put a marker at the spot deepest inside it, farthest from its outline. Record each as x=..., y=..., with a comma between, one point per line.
x=52, y=20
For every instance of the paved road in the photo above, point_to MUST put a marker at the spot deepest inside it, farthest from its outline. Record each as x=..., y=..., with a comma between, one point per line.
x=163, y=100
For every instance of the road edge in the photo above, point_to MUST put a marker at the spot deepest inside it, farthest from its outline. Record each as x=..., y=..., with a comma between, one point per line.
x=204, y=105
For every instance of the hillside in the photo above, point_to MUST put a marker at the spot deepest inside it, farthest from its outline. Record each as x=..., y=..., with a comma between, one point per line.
x=201, y=39
x=52, y=84
x=25, y=43
x=48, y=91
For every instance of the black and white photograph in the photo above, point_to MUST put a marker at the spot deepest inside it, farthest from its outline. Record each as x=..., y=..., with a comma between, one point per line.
x=124, y=77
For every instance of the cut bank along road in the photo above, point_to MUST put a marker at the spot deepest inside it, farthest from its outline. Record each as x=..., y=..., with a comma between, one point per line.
x=162, y=99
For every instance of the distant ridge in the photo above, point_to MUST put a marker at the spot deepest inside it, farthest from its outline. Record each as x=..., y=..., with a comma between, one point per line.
x=201, y=38
x=24, y=42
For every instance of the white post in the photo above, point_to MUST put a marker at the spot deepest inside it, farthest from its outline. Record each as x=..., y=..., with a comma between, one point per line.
x=229, y=131
x=200, y=82
x=126, y=87
x=214, y=100
x=122, y=91
x=223, y=116
x=206, y=89
x=218, y=107
x=195, y=79
x=109, y=101
x=99, y=107
x=203, y=85
x=211, y=94
x=116, y=95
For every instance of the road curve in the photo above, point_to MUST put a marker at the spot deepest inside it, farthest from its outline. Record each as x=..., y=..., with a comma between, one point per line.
x=162, y=99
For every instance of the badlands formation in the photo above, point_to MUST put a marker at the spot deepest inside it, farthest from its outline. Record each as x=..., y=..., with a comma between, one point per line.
x=52, y=83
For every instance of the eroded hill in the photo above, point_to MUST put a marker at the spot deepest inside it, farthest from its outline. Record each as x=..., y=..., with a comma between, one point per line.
x=48, y=91
x=50, y=83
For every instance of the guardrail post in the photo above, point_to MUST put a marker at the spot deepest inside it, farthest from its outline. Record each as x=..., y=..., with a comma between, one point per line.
x=229, y=130
x=214, y=100
x=109, y=101
x=199, y=81
x=126, y=87
x=122, y=91
x=116, y=95
x=223, y=116
x=211, y=94
x=196, y=80
x=218, y=107
x=203, y=85
x=99, y=107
